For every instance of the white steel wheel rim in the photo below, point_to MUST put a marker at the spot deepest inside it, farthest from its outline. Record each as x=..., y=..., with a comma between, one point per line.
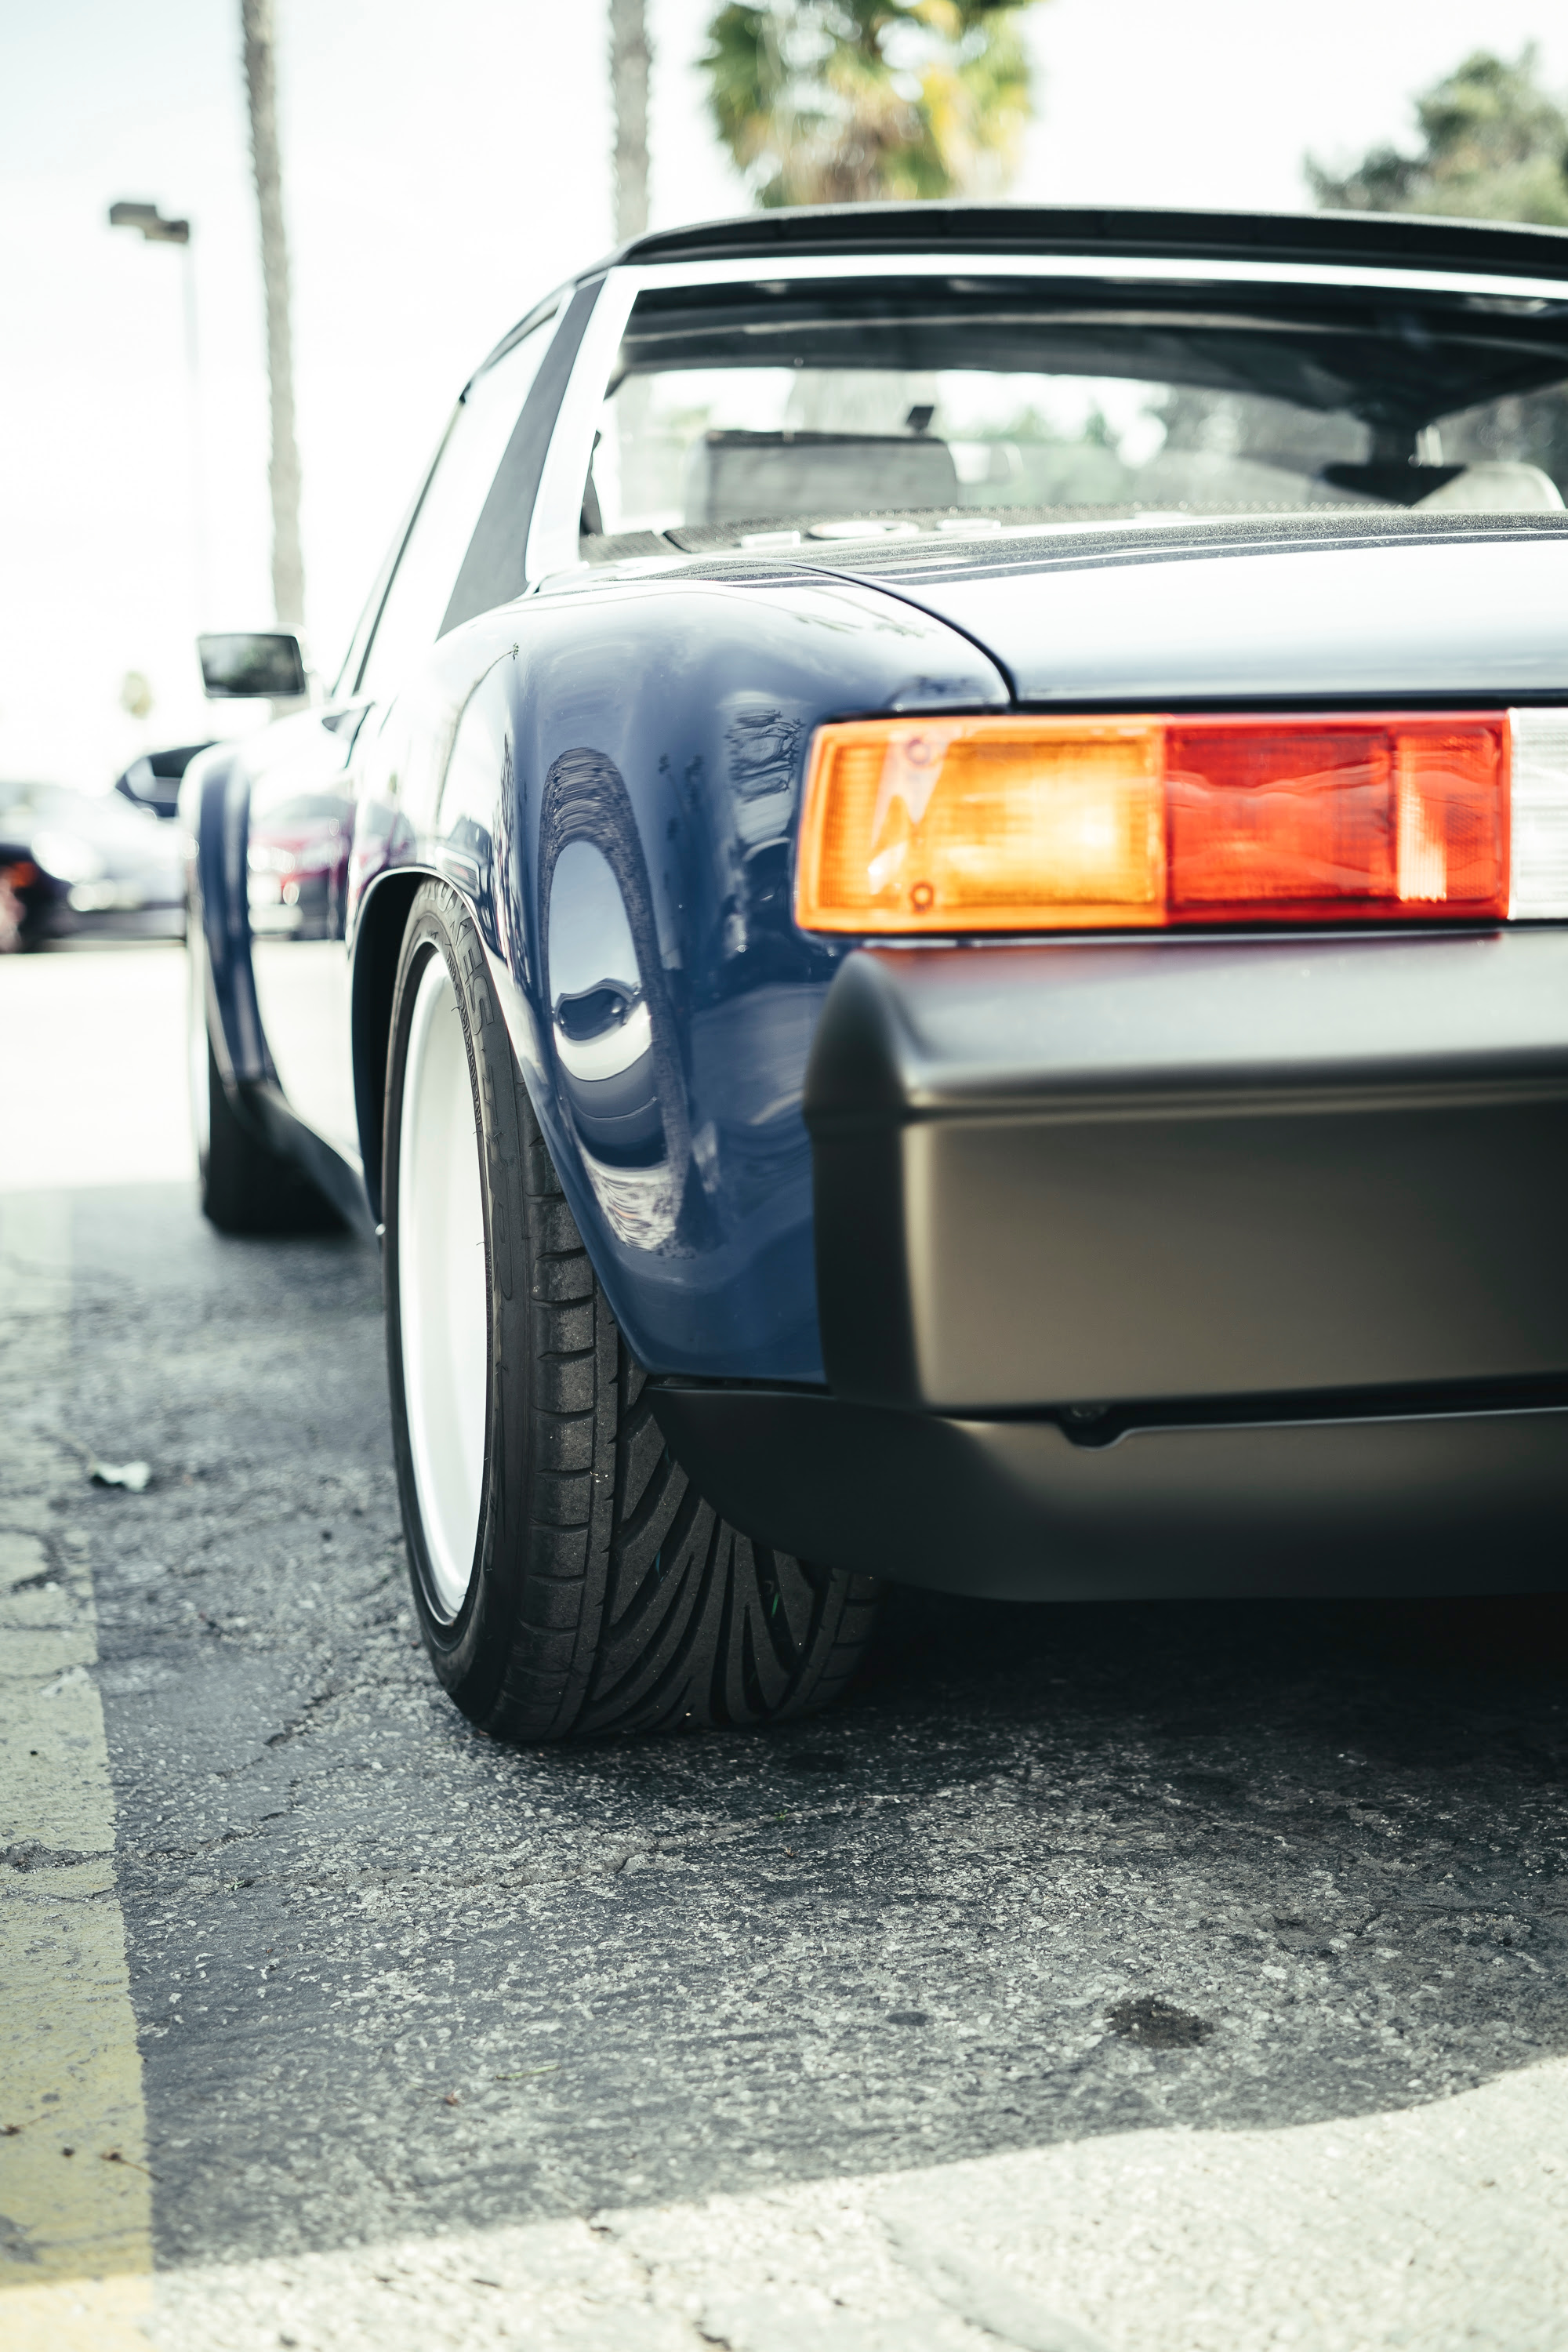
x=443, y=1285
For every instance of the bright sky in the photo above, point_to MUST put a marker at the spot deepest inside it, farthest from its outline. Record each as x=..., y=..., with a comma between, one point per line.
x=445, y=166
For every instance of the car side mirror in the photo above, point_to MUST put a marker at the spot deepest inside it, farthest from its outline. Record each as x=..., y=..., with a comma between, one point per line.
x=260, y=663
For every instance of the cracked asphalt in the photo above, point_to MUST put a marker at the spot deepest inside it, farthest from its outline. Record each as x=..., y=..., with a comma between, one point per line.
x=1163, y=1974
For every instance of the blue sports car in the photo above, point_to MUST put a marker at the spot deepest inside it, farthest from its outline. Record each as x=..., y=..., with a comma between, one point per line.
x=929, y=919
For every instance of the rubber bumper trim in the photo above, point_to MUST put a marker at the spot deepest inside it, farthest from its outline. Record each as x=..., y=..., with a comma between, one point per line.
x=1441, y=1503
x=1052, y=1175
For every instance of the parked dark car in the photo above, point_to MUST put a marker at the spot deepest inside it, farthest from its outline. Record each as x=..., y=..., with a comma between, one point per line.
x=28, y=896
x=947, y=958
x=152, y=782
x=71, y=863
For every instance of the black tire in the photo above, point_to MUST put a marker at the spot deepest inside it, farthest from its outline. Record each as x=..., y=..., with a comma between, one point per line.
x=605, y=1595
x=244, y=1186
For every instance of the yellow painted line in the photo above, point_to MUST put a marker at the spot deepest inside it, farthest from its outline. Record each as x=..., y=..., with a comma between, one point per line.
x=76, y=2229
x=100, y=2315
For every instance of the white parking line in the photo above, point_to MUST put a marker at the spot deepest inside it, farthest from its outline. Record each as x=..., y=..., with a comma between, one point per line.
x=76, y=2209
x=1443, y=2227
x=95, y=1077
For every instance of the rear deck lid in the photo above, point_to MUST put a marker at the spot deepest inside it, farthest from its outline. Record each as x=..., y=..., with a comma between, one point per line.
x=1167, y=613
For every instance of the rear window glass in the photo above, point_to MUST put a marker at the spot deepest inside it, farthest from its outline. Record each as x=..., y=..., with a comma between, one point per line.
x=752, y=413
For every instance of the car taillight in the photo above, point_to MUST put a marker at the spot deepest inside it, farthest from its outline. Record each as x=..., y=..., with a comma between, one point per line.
x=1039, y=824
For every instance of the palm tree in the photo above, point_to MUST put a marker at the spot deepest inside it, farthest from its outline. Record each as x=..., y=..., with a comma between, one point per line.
x=628, y=92
x=283, y=470
x=834, y=101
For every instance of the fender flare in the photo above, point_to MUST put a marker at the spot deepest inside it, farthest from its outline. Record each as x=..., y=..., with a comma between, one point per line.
x=220, y=827
x=380, y=921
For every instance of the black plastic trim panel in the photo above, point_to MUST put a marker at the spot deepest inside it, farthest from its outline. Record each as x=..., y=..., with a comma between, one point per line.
x=1380, y=239
x=327, y=1170
x=1073, y=1176
x=1457, y=1503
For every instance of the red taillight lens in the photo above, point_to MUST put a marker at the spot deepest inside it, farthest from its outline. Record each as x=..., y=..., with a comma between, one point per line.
x=1018, y=824
x=1330, y=818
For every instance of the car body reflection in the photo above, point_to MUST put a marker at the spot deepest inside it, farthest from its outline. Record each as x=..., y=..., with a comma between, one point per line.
x=602, y=1026
x=604, y=1038
x=298, y=867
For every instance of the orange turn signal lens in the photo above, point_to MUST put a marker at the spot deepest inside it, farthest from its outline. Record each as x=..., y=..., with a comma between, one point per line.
x=1015, y=823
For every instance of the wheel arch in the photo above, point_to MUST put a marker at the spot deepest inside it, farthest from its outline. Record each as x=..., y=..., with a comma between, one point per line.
x=378, y=942
x=215, y=805
x=379, y=927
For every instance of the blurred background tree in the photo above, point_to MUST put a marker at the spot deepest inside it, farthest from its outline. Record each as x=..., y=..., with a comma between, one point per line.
x=836, y=101
x=630, y=57
x=1494, y=147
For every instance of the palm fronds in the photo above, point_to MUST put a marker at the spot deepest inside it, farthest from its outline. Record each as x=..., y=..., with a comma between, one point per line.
x=834, y=101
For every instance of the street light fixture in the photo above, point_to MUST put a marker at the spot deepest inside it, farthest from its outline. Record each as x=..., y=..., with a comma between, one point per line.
x=157, y=230
x=151, y=223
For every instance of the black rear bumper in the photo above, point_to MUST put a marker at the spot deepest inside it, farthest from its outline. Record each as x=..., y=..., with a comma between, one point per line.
x=1061, y=1176
x=1017, y=1510
x=1179, y=1266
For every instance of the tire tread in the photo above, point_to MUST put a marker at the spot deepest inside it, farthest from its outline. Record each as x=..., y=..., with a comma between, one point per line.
x=640, y=1609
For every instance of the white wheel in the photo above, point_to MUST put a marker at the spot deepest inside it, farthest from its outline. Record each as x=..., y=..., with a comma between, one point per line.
x=443, y=1289
x=568, y=1577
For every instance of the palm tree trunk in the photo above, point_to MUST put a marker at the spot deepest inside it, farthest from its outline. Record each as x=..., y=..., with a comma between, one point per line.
x=628, y=93
x=283, y=469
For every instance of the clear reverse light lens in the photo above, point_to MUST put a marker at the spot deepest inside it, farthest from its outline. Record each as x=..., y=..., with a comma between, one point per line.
x=1539, y=742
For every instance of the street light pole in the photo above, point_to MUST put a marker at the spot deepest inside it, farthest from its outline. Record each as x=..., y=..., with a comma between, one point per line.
x=157, y=230
x=283, y=469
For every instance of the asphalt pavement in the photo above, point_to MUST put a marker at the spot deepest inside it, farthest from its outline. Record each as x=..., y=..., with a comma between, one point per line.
x=1165, y=1976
